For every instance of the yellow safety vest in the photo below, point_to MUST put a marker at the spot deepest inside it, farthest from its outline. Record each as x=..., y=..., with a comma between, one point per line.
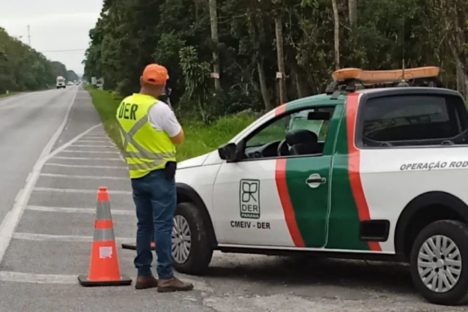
x=145, y=148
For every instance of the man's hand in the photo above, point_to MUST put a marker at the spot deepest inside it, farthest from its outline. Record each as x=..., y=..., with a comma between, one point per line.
x=179, y=138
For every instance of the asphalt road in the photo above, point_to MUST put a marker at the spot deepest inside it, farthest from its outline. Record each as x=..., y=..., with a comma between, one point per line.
x=46, y=233
x=27, y=122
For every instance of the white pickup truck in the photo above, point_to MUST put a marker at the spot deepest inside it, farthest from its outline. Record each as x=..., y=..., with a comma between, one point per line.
x=368, y=172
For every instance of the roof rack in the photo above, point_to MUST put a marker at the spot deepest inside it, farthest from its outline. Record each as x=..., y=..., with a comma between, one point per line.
x=352, y=79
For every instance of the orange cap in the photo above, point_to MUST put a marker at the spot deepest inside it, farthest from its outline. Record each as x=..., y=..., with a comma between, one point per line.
x=155, y=74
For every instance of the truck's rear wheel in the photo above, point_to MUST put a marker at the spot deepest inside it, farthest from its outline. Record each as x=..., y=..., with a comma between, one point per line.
x=439, y=260
x=191, y=247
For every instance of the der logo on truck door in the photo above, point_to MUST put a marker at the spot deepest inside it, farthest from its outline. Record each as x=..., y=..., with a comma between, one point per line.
x=249, y=199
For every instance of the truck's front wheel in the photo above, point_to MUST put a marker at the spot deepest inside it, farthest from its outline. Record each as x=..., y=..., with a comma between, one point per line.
x=439, y=262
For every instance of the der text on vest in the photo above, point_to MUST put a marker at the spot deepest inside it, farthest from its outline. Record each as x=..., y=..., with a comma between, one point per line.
x=128, y=111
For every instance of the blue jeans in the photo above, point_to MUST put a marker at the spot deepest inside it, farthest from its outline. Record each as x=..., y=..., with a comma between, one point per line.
x=155, y=200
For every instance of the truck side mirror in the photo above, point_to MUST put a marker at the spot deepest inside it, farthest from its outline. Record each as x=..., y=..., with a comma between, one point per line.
x=228, y=152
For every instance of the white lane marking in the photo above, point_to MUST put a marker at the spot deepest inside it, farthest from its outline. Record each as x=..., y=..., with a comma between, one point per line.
x=18, y=196
x=91, y=152
x=116, y=212
x=29, y=177
x=87, y=158
x=70, y=176
x=19, y=277
x=11, y=219
x=94, y=141
x=85, y=166
x=62, y=238
x=93, y=146
x=85, y=191
x=96, y=136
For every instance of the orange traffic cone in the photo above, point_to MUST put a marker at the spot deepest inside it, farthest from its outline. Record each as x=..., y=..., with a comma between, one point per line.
x=104, y=264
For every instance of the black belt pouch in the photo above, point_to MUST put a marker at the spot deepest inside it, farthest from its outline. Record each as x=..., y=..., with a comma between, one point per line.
x=170, y=170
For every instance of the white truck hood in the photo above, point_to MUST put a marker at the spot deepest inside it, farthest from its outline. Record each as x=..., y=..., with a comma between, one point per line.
x=211, y=158
x=192, y=162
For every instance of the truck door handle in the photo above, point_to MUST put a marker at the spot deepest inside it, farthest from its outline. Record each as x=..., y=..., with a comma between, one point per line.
x=315, y=180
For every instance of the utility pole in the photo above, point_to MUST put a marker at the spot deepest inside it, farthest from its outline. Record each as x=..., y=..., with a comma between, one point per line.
x=352, y=11
x=215, y=39
x=280, y=75
x=336, y=20
x=29, y=35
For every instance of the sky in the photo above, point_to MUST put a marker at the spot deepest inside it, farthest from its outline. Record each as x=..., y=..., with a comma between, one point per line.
x=54, y=26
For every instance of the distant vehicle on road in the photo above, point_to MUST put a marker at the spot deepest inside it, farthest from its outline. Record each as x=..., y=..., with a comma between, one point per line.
x=60, y=82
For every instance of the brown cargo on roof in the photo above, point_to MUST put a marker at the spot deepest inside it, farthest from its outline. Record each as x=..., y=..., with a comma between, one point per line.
x=382, y=76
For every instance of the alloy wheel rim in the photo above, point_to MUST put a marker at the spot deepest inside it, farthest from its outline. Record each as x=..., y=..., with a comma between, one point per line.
x=439, y=263
x=181, y=239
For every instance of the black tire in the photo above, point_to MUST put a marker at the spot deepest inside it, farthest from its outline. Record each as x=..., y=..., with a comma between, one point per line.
x=457, y=232
x=200, y=251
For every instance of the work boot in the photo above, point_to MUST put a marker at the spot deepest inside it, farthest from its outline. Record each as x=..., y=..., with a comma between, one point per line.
x=144, y=282
x=173, y=284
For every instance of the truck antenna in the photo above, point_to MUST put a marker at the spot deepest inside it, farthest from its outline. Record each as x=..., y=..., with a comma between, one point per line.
x=403, y=82
x=403, y=50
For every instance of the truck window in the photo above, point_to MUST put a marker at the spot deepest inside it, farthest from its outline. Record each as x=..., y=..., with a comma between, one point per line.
x=306, y=129
x=413, y=120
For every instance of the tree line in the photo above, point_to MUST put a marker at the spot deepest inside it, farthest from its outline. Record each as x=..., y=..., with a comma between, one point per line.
x=24, y=69
x=231, y=55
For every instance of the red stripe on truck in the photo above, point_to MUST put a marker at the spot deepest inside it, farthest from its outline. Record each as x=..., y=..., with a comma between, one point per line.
x=280, y=110
x=354, y=162
x=289, y=215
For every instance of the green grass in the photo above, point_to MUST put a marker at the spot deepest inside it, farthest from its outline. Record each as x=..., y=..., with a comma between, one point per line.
x=106, y=104
x=9, y=94
x=199, y=137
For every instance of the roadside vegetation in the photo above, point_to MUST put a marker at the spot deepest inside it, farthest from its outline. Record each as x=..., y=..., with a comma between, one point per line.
x=200, y=137
x=7, y=94
x=226, y=57
x=106, y=104
x=257, y=54
x=24, y=69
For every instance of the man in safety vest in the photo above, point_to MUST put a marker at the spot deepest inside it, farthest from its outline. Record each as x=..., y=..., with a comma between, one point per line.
x=150, y=131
